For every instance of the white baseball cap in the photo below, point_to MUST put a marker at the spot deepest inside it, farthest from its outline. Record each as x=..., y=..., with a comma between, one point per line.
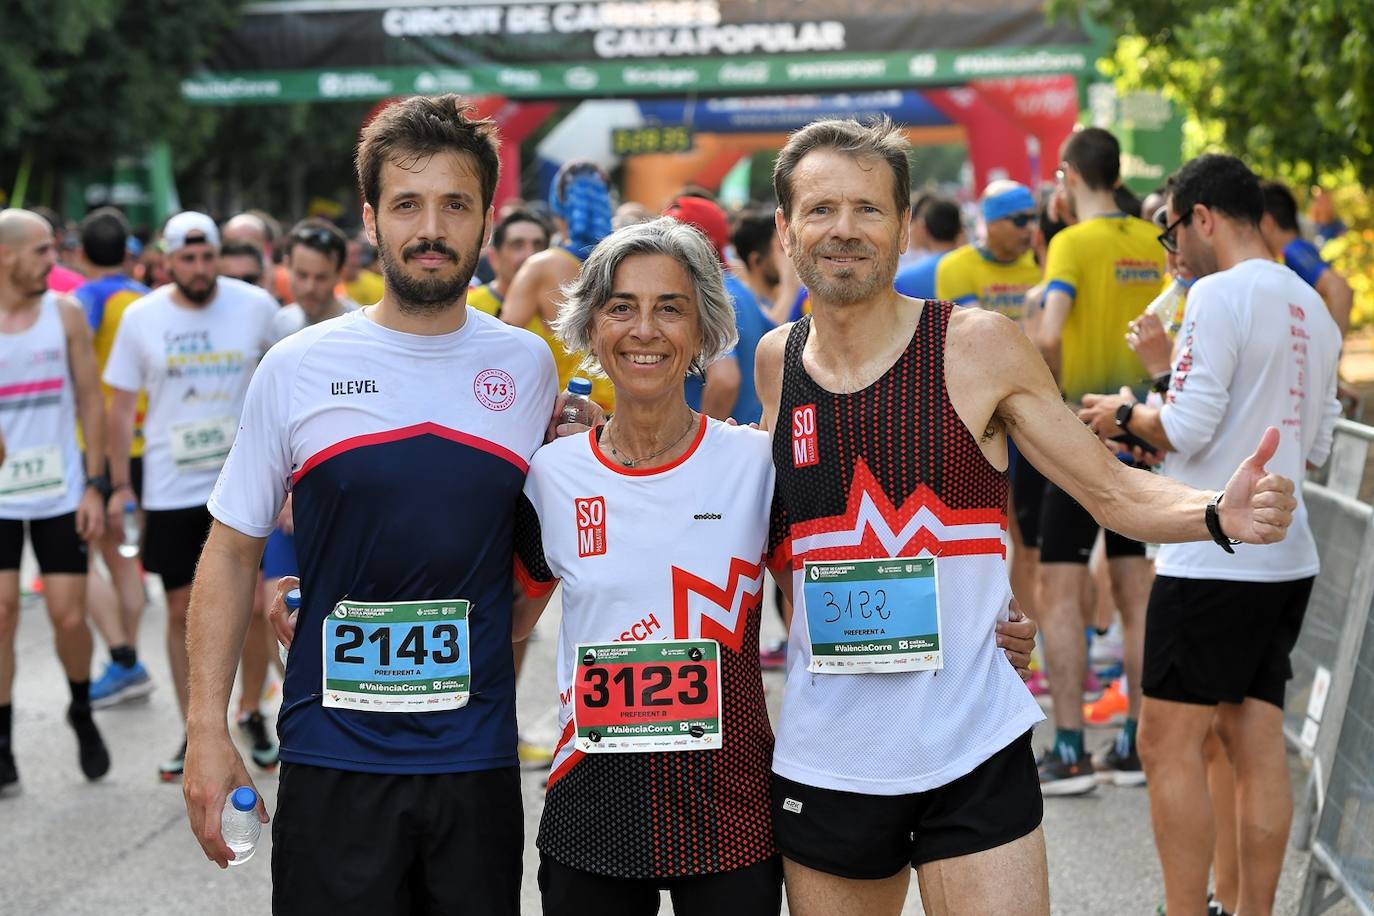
x=189, y=228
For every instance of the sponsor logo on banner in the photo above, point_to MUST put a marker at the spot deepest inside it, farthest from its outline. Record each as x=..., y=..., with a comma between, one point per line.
x=922, y=65
x=443, y=81
x=518, y=79
x=346, y=85
x=495, y=389
x=805, y=445
x=581, y=78
x=751, y=74
x=591, y=526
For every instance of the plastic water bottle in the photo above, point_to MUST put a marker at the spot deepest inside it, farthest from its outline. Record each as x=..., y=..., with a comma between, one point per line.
x=129, y=546
x=293, y=604
x=578, y=407
x=1165, y=306
x=239, y=824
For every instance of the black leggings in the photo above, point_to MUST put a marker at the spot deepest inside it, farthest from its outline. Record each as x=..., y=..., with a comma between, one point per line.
x=755, y=890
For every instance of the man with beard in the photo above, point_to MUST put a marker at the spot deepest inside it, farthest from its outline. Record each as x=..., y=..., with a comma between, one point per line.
x=47, y=376
x=404, y=432
x=192, y=346
x=905, y=736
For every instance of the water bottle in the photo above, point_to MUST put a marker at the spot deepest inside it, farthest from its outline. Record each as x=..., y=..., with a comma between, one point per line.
x=577, y=408
x=1165, y=306
x=128, y=547
x=239, y=824
x=293, y=604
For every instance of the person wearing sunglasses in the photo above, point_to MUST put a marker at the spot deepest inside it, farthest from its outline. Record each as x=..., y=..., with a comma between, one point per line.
x=995, y=274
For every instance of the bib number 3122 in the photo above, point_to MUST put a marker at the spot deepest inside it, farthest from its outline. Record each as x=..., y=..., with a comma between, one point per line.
x=409, y=656
x=649, y=696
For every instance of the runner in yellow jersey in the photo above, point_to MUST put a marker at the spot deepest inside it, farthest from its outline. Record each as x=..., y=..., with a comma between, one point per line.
x=517, y=236
x=996, y=274
x=1100, y=273
x=116, y=611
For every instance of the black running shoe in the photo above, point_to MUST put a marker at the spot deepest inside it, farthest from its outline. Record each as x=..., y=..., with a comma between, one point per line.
x=1059, y=777
x=264, y=750
x=171, y=770
x=91, y=750
x=9, y=775
x=1120, y=769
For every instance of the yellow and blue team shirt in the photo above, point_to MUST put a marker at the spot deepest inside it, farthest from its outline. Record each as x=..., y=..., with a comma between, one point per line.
x=485, y=299
x=1112, y=267
x=104, y=301
x=972, y=276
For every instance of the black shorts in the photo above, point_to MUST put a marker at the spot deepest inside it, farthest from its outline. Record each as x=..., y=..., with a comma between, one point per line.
x=1068, y=532
x=853, y=835
x=1209, y=641
x=55, y=542
x=755, y=890
x=172, y=543
x=372, y=843
x=1027, y=495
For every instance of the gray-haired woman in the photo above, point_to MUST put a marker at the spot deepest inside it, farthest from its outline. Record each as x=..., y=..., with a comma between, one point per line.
x=657, y=524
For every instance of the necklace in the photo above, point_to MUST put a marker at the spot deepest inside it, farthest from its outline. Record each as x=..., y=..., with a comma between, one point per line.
x=630, y=462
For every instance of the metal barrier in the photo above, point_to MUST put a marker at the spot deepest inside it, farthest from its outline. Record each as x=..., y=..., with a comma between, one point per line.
x=1346, y=470
x=1342, y=863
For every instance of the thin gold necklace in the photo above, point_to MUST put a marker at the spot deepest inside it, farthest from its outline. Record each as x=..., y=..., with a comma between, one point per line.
x=634, y=462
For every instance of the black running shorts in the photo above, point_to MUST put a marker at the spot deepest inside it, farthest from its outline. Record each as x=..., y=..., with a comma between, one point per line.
x=367, y=844
x=754, y=890
x=1209, y=641
x=852, y=835
x=1068, y=532
x=1027, y=495
x=56, y=544
x=172, y=543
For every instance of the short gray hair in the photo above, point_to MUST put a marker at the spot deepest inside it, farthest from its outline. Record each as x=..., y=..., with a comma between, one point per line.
x=666, y=236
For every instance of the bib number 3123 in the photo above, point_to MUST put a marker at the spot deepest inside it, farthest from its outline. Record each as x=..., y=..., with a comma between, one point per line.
x=648, y=696
x=408, y=656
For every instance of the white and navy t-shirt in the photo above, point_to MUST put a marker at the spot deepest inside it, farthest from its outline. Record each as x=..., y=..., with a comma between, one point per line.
x=195, y=363
x=673, y=552
x=406, y=456
x=43, y=475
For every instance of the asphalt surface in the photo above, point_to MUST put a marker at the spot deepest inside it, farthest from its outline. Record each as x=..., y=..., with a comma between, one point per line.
x=122, y=845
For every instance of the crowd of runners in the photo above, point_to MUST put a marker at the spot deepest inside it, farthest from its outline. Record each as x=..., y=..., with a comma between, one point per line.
x=916, y=439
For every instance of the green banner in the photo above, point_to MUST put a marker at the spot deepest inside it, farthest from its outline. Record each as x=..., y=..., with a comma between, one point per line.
x=596, y=78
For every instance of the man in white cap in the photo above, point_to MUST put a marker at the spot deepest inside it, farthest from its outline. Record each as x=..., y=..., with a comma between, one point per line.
x=192, y=345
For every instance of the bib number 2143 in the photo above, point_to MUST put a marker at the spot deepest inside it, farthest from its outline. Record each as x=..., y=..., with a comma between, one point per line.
x=408, y=656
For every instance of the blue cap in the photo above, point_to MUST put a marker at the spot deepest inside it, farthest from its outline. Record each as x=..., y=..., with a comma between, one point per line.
x=1013, y=200
x=293, y=599
x=579, y=386
x=244, y=798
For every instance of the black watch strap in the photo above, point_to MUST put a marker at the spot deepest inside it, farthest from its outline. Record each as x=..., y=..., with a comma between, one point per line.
x=1214, y=525
x=101, y=484
x=1160, y=383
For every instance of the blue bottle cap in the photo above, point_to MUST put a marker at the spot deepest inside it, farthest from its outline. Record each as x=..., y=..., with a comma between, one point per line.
x=244, y=798
x=293, y=599
x=579, y=386
x=130, y=506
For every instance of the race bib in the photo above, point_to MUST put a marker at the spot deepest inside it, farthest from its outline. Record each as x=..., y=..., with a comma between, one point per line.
x=202, y=445
x=873, y=616
x=32, y=472
x=407, y=656
x=647, y=696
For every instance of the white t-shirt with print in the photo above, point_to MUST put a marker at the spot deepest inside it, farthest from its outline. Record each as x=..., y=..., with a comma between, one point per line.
x=195, y=364
x=1258, y=348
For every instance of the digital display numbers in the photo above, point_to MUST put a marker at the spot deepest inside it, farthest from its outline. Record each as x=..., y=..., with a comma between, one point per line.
x=632, y=141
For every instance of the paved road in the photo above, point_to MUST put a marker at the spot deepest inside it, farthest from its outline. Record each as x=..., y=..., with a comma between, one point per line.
x=122, y=846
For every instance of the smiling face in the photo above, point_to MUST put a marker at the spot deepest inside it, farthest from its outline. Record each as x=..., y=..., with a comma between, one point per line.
x=648, y=332
x=844, y=233
x=429, y=228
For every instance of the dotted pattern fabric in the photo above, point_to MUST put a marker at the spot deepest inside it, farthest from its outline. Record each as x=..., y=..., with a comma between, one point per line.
x=674, y=814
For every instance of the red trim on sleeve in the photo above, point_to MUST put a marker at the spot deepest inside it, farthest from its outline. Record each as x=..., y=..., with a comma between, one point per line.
x=531, y=586
x=563, y=768
x=410, y=432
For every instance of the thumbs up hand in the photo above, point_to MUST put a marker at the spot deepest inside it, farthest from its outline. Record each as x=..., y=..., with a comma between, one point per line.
x=1257, y=507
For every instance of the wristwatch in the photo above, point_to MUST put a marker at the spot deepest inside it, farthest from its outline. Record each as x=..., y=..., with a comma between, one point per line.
x=1123, y=416
x=1214, y=525
x=101, y=484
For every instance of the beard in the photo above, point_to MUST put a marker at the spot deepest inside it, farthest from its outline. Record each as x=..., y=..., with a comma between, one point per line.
x=426, y=295
x=845, y=287
x=196, y=296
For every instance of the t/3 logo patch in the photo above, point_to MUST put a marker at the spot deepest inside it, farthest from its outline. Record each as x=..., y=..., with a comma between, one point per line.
x=805, y=448
x=591, y=526
x=495, y=389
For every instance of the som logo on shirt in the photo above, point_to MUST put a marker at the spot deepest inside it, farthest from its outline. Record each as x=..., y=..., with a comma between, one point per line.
x=805, y=446
x=591, y=526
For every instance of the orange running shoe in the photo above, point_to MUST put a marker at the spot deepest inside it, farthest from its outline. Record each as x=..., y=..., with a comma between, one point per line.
x=1108, y=709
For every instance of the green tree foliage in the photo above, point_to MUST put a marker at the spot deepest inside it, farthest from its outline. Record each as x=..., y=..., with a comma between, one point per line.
x=1289, y=84
x=85, y=80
